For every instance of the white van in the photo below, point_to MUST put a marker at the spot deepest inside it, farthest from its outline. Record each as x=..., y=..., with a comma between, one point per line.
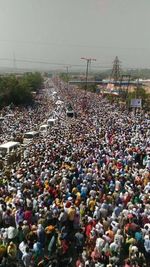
x=44, y=128
x=7, y=148
x=51, y=121
x=30, y=136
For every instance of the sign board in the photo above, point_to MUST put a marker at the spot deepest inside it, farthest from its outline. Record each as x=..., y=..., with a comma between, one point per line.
x=136, y=103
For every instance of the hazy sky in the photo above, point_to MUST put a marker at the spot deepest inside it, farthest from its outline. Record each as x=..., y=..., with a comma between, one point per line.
x=63, y=31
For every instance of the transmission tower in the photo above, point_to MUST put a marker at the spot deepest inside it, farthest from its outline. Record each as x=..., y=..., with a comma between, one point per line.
x=115, y=75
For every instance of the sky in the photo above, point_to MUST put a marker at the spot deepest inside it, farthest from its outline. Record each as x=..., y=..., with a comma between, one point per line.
x=49, y=34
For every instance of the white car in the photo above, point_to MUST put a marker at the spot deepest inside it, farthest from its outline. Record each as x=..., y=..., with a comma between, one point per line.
x=44, y=128
x=51, y=121
x=30, y=136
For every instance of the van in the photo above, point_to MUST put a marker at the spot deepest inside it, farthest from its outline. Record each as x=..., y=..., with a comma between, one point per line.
x=30, y=136
x=44, y=128
x=7, y=148
x=51, y=121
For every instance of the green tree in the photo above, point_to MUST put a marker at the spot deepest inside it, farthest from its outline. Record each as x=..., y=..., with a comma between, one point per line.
x=64, y=77
x=7, y=85
x=18, y=90
x=34, y=80
x=22, y=93
x=92, y=88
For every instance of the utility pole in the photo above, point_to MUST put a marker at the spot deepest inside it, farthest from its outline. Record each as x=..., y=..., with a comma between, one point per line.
x=88, y=61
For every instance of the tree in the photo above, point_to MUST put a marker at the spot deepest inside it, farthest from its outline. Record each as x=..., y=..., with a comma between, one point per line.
x=22, y=93
x=19, y=90
x=7, y=85
x=64, y=77
x=34, y=80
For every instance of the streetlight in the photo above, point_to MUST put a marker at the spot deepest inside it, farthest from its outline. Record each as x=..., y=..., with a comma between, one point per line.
x=88, y=61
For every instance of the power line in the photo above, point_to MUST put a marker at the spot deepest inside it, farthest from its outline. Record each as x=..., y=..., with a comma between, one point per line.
x=73, y=45
x=50, y=63
x=103, y=67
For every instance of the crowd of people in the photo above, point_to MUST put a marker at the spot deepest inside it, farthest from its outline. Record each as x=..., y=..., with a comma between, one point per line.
x=81, y=193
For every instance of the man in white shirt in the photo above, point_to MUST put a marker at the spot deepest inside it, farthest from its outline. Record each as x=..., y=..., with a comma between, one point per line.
x=12, y=232
x=100, y=242
x=22, y=246
x=26, y=257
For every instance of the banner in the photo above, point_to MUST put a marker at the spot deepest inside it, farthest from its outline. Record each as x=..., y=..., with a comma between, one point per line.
x=136, y=103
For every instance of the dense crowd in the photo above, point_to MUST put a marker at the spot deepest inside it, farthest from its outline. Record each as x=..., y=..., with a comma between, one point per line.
x=83, y=190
